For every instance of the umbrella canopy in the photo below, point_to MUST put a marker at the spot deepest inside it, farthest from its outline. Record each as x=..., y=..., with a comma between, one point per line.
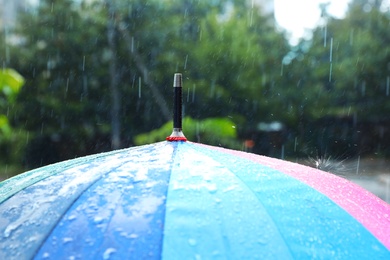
x=182, y=200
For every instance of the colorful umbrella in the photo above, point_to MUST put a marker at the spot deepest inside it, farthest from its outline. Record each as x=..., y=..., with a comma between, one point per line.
x=182, y=200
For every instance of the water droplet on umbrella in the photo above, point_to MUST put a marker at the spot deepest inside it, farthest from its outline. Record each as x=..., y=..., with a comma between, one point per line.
x=66, y=240
x=72, y=217
x=98, y=219
x=262, y=241
x=192, y=242
x=212, y=188
x=109, y=251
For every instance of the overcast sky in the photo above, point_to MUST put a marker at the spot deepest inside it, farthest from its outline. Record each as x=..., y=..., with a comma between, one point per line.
x=296, y=16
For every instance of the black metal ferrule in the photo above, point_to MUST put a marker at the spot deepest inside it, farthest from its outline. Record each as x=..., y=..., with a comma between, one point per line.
x=178, y=101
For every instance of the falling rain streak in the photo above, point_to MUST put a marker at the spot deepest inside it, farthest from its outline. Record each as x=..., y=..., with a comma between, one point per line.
x=358, y=165
x=331, y=50
x=66, y=88
x=185, y=62
x=193, y=92
x=331, y=59
x=295, y=144
x=281, y=69
x=251, y=14
x=363, y=90
x=139, y=87
x=387, y=85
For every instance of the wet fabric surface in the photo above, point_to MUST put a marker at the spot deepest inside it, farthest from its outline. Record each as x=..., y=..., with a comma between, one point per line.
x=177, y=200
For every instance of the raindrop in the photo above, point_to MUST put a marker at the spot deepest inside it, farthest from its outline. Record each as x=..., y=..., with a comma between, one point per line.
x=331, y=50
x=282, y=153
x=132, y=85
x=132, y=44
x=212, y=89
x=295, y=144
x=281, y=69
x=193, y=92
x=330, y=72
x=358, y=165
x=387, y=85
x=83, y=62
x=139, y=87
x=67, y=87
x=185, y=62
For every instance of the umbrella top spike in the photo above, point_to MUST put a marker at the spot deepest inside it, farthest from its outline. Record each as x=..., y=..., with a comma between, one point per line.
x=177, y=133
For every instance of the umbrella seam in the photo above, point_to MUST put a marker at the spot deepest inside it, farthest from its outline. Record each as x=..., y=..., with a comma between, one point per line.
x=175, y=145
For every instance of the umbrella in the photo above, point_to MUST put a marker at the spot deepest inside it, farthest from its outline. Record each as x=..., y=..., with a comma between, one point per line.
x=181, y=200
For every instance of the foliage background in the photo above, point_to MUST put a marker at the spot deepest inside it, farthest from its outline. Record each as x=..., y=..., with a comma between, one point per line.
x=98, y=76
